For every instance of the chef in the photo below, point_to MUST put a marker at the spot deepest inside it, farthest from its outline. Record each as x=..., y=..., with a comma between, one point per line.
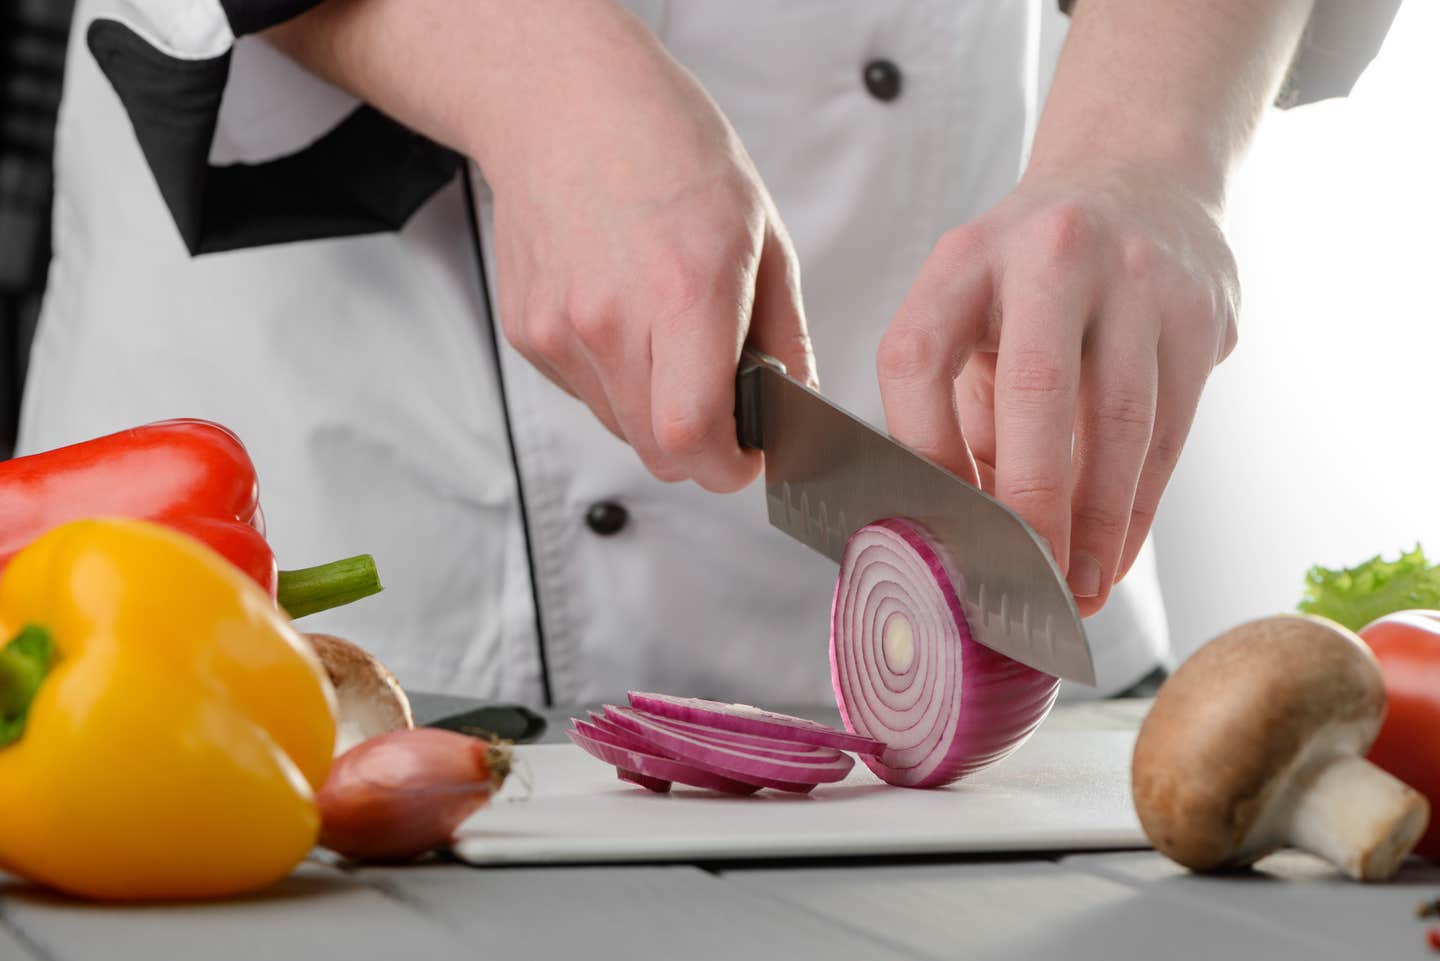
x=471, y=280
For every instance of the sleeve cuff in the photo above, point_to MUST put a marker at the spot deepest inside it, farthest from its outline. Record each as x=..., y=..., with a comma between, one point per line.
x=1340, y=41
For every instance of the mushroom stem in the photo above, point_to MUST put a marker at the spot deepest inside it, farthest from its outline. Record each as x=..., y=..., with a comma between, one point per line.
x=1354, y=815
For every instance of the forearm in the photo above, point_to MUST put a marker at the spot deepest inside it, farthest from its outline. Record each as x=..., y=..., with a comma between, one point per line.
x=1166, y=84
x=466, y=73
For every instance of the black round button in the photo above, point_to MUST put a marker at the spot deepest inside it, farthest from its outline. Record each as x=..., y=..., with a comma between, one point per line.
x=606, y=517
x=882, y=79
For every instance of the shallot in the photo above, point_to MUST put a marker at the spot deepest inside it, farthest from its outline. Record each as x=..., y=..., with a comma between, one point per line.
x=398, y=795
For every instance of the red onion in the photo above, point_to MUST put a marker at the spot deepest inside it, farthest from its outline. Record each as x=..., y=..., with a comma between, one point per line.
x=800, y=766
x=907, y=672
x=621, y=737
x=625, y=719
x=744, y=719
x=652, y=783
x=632, y=736
x=604, y=746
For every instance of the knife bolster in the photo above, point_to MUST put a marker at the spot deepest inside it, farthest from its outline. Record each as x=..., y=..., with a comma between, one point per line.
x=748, y=388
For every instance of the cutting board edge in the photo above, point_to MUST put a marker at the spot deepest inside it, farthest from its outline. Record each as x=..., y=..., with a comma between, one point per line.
x=479, y=851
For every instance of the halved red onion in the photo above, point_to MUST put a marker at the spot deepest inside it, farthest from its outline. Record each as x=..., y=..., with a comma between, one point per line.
x=907, y=671
x=737, y=761
x=744, y=719
x=599, y=744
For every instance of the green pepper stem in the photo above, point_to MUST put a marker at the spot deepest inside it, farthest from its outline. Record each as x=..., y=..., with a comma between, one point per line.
x=313, y=589
x=24, y=662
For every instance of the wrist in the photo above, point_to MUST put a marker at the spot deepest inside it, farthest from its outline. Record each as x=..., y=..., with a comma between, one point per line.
x=1180, y=158
x=555, y=79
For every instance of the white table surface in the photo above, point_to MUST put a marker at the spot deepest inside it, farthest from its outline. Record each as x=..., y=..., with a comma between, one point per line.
x=1127, y=904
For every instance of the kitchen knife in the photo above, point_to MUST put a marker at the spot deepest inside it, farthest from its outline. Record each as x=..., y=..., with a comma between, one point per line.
x=828, y=473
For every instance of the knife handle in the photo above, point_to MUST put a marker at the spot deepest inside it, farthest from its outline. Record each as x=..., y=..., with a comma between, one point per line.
x=748, y=385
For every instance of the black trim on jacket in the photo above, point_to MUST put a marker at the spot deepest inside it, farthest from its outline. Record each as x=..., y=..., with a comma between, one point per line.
x=367, y=175
x=252, y=16
x=474, y=221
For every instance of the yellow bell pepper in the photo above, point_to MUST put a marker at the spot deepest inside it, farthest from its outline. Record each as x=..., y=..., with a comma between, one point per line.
x=167, y=728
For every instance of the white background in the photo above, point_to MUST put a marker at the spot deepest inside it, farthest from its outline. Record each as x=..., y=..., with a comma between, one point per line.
x=1318, y=441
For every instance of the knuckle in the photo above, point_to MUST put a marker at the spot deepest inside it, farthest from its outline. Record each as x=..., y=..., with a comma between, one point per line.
x=545, y=335
x=592, y=319
x=1141, y=516
x=1229, y=312
x=1036, y=375
x=1102, y=522
x=1033, y=487
x=961, y=245
x=661, y=468
x=1140, y=257
x=977, y=395
x=537, y=333
x=679, y=287
x=723, y=483
x=1061, y=231
x=1164, y=454
x=1229, y=340
x=684, y=432
x=1128, y=416
x=596, y=330
x=908, y=352
x=1204, y=317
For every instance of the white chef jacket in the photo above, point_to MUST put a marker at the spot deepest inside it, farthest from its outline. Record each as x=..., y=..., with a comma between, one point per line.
x=237, y=240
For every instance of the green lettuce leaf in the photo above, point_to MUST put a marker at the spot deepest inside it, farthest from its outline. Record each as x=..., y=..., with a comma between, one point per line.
x=1356, y=596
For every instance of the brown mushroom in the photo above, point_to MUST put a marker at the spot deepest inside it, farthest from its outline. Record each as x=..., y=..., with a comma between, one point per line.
x=369, y=698
x=1257, y=742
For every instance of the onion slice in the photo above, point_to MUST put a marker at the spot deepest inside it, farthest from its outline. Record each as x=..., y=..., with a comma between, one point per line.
x=907, y=671
x=619, y=736
x=627, y=738
x=620, y=717
x=602, y=745
x=737, y=761
x=744, y=719
x=655, y=784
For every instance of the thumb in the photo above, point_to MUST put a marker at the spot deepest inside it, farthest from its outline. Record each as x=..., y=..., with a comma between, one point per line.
x=777, y=321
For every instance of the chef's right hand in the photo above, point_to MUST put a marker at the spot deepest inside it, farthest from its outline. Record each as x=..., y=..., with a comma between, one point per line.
x=636, y=248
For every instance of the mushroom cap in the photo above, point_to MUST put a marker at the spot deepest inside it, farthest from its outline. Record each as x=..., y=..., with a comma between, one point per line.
x=369, y=699
x=1228, y=726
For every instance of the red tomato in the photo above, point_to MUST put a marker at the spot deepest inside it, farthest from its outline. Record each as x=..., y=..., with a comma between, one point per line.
x=1408, y=646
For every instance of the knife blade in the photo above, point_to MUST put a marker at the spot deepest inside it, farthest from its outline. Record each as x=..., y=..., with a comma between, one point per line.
x=829, y=473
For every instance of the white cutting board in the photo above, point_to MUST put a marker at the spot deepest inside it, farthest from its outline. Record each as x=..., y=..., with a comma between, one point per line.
x=1062, y=791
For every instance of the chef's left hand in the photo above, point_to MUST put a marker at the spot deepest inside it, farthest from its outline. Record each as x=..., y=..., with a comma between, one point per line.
x=1054, y=350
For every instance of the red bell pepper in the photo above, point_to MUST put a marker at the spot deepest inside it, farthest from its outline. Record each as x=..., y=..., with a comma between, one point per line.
x=190, y=475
